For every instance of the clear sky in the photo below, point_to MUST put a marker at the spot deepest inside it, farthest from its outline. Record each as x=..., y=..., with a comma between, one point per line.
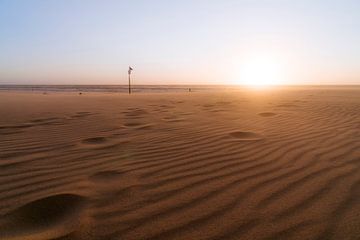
x=180, y=41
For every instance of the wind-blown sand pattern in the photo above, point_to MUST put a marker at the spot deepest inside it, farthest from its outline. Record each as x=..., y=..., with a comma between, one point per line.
x=276, y=164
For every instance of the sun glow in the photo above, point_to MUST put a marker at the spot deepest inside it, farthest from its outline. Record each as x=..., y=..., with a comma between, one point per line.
x=261, y=71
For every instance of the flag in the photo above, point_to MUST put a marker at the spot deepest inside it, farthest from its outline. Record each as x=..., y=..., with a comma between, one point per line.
x=130, y=69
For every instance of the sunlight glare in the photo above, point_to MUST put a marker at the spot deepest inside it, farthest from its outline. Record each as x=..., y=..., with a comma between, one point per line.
x=261, y=71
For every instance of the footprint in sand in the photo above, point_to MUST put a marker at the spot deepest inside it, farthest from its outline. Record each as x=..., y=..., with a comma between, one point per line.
x=44, y=120
x=135, y=113
x=211, y=108
x=14, y=129
x=48, y=121
x=267, y=114
x=162, y=108
x=287, y=105
x=52, y=216
x=246, y=136
x=104, y=143
x=223, y=103
x=300, y=101
x=173, y=119
x=208, y=105
x=166, y=106
x=217, y=110
x=132, y=124
x=94, y=140
x=81, y=115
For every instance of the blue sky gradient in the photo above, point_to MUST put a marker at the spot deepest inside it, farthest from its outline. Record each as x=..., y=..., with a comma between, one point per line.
x=177, y=42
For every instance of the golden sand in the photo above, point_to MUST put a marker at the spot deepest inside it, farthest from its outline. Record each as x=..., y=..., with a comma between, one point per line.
x=248, y=164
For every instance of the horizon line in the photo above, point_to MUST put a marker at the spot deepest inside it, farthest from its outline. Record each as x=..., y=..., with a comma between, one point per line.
x=232, y=85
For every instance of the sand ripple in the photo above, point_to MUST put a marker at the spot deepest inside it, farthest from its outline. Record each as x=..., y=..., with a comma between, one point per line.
x=182, y=166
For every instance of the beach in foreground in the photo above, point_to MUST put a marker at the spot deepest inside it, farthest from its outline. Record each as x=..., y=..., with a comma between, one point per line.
x=268, y=164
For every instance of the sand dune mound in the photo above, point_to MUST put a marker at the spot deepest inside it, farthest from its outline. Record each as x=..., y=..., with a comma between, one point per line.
x=42, y=214
x=246, y=136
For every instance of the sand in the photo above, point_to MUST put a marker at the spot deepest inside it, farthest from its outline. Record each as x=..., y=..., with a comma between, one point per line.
x=248, y=164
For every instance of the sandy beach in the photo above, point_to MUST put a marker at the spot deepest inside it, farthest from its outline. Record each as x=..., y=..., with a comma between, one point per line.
x=281, y=163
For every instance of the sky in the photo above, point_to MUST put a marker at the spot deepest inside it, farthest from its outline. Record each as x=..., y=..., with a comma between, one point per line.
x=180, y=41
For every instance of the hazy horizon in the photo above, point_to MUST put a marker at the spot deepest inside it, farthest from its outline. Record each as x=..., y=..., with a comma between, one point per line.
x=180, y=84
x=180, y=42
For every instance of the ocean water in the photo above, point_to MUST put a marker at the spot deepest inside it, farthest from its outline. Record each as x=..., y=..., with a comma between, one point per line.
x=111, y=88
x=154, y=88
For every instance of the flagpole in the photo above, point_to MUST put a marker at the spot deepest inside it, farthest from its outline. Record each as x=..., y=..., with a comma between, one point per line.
x=129, y=72
x=129, y=84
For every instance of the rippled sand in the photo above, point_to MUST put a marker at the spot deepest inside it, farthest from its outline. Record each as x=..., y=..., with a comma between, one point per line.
x=247, y=164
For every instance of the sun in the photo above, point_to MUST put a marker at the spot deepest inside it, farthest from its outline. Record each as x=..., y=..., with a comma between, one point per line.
x=261, y=71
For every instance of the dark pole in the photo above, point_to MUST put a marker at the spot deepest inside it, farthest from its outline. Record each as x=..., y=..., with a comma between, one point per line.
x=129, y=84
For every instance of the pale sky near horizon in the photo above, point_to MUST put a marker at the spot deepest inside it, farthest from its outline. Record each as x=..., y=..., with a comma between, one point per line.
x=180, y=41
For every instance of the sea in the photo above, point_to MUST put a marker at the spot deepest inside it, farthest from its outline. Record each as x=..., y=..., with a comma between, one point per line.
x=150, y=88
x=112, y=88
